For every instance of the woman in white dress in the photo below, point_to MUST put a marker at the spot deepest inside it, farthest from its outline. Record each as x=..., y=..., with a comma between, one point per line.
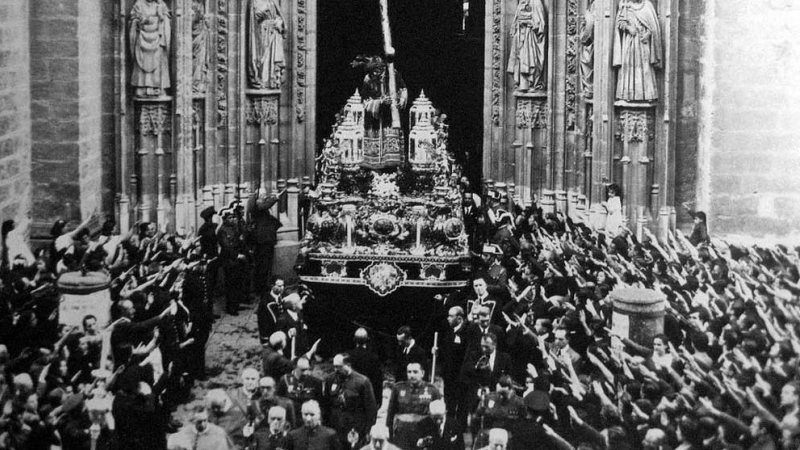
x=613, y=209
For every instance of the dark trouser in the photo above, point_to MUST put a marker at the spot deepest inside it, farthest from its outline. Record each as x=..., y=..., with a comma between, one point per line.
x=457, y=401
x=352, y=421
x=263, y=255
x=235, y=283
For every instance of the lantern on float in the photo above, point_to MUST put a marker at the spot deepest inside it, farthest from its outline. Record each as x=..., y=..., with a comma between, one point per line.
x=423, y=142
x=355, y=108
x=421, y=108
x=351, y=141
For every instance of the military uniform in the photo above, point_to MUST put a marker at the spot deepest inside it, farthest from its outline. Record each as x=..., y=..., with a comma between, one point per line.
x=299, y=391
x=234, y=266
x=352, y=404
x=408, y=405
x=494, y=411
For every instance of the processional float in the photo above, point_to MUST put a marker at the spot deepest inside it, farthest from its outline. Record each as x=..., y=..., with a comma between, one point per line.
x=386, y=227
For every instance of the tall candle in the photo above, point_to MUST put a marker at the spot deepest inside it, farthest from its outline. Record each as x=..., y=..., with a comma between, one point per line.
x=349, y=232
x=419, y=232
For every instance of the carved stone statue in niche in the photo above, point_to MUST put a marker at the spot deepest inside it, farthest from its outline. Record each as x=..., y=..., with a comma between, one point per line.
x=199, y=47
x=527, y=61
x=587, y=51
x=637, y=51
x=265, y=56
x=150, y=39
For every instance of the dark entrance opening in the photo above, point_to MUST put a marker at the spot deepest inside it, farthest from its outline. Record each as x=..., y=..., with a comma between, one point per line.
x=439, y=49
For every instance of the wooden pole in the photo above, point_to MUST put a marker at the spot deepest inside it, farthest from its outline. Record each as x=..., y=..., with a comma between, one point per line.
x=389, y=50
x=434, y=351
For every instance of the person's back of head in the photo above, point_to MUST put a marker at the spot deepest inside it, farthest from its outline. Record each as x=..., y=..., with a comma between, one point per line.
x=277, y=340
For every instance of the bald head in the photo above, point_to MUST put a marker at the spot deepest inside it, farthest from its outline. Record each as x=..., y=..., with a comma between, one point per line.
x=437, y=408
x=277, y=340
x=361, y=337
x=455, y=316
x=498, y=436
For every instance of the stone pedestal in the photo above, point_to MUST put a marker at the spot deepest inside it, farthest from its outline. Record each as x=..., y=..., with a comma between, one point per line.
x=638, y=314
x=82, y=295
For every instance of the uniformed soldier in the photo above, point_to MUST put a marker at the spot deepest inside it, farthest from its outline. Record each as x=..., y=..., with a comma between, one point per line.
x=352, y=402
x=234, y=263
x=408, y=405
x=300, y=386
x=500, y=409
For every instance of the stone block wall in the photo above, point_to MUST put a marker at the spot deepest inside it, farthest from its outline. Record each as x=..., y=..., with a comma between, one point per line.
x=66, y=87
x=691, y=37
x=15, y=114
x=749, y=138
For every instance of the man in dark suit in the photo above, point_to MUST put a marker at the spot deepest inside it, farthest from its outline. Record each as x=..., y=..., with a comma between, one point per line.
x=262, y=229
x=483, y=368
x=438, y=432
x=234, y=263
x=270, y=307
x=274, y=436
x=481, y=327
x=274, y=363
x=472, y=217
x=454, y=348
x=312, y=435
x=292, y=322
x=366, y=362
x=408, y=350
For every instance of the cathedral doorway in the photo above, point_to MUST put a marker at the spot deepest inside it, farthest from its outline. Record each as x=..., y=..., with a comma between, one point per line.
x=439, y=48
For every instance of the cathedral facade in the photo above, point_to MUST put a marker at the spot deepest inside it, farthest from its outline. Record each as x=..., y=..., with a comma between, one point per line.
x=152, y=110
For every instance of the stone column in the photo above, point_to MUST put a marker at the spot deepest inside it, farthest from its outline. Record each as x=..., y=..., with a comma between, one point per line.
x=604, y=89
x=66, y=126
x=15, y=116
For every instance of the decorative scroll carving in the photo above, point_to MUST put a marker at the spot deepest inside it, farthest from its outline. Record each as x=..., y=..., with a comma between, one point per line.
x=197, y=116
x=634, y=126
x=497, y=57
x=572, y=63
x=152, y=119
x=524, y=113
x=531, y=114
x=300, y=61
x=539, y=116
x=262, y=110
x=222, y=63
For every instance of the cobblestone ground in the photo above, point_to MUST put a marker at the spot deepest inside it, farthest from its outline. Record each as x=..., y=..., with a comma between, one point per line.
x=232, y=346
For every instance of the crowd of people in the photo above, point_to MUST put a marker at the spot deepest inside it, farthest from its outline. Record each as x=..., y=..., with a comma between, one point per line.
x=526, y=357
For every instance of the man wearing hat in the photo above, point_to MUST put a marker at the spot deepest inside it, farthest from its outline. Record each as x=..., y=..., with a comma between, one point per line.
x=493, y=271
x=234, y=264
x=504, y=236
x=207, y=234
